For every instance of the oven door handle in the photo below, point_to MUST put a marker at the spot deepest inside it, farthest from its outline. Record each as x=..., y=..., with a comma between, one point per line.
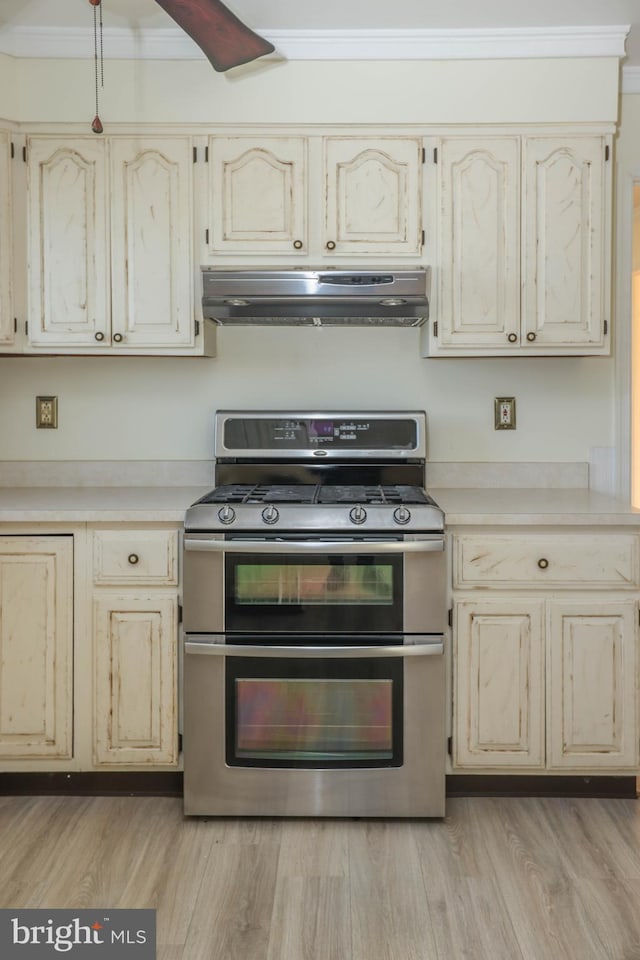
x=427, y=646
x=434, y=545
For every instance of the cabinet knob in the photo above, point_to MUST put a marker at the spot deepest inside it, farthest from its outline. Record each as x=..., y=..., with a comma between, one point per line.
x=297, y=244
x=543, y=563
x=99, y=335
x=531, y=337
x=512, y=338
x=118, y=338
x=133, y=558
x=331, y=244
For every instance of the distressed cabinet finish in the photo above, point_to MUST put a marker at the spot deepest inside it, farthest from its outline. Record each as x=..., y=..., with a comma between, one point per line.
x=546, y=651
x=326, y=197
x=257, y=195
x=110, y=239
x=524, y=246
x=7, y=334
x=36, y=637
x=135, y=717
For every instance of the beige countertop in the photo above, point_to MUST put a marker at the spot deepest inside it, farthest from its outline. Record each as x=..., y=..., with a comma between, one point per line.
x=145, y=504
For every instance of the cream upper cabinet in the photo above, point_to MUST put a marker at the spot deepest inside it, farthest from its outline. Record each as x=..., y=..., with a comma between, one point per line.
x=68, y=267
x=36, y=637
x=324, y=197
x=110, y=246
x=524, y=239
x=6, y=247
x=257, y=195
x=545, y=645
x=372, y=191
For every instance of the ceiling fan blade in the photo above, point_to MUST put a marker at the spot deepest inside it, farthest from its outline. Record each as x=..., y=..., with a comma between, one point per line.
x=225, y=40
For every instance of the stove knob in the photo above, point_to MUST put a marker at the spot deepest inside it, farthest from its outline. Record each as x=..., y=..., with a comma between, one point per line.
x=402, y=515
x=358, y=514
x=226, y=514
x=270, y=514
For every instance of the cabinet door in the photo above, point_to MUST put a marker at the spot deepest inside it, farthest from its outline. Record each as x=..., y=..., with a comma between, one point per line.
x=479, y=295
x=499, y=684
x=36, y=635
x=6, y=309
x=566, y=245
x=372, y=196
x=151, y=242
x=68, y=287
x=258, y=195
x=135, y=655
x=592, y=684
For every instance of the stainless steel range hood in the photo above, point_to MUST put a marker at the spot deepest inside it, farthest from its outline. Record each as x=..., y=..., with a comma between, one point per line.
x=316, y=297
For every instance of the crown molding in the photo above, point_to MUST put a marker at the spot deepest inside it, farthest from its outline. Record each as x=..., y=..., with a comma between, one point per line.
x=174, y=44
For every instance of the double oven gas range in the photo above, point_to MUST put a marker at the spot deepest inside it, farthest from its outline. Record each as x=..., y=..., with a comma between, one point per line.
x=314, y=620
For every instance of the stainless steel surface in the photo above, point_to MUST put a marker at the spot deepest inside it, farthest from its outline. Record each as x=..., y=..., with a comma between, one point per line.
x=316, y=296
x=434, y=544
x=416, y=789
x=415, y=646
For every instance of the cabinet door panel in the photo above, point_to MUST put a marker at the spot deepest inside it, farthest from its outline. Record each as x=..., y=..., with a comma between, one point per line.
x=373, y=196
x=68, y=267
x=135, y=718
x=36, y=633
x=499, y=684
x=480, y=237
x=565, y=241
x=258, y=201
x=6, y=259
x=151, y=234
x=592, y=684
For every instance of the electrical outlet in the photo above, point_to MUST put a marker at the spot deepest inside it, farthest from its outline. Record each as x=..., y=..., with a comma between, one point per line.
x=47, y=413
x=504, y=413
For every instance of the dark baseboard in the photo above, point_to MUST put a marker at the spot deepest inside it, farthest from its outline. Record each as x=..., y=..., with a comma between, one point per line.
x=93, y=784
x=499, y=785
x=169, y=784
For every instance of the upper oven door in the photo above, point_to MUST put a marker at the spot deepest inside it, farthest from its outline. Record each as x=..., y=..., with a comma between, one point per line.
x=315, y=585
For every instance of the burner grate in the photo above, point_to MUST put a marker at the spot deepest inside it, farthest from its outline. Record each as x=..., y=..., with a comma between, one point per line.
x=391, y=494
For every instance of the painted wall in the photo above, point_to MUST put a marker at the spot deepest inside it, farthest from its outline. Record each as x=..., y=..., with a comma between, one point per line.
x=148, y=408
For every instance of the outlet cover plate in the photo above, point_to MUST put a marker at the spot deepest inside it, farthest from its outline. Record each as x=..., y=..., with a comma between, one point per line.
x=504, y=413
x=46, y=413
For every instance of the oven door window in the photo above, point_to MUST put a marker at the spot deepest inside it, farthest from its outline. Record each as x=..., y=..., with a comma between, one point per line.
x=306, y=714
x=339, y=593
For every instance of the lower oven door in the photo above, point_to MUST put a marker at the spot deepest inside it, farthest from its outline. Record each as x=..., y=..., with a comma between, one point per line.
x=283, y=728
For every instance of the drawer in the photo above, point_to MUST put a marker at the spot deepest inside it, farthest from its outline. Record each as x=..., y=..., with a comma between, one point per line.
x=135, y=556
x=578, y=561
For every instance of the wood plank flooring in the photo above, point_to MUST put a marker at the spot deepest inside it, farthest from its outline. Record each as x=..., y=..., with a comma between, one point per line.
x=498, y=879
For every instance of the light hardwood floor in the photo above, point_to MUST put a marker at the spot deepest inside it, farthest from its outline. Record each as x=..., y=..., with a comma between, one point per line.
x=498, y=879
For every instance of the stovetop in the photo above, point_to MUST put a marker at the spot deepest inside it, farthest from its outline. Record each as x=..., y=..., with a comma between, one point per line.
x=313, y=493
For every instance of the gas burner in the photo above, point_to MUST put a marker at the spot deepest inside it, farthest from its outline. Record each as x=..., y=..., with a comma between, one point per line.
x=356, y=493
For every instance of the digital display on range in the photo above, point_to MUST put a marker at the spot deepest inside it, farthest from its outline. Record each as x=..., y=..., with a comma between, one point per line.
x=264, y=433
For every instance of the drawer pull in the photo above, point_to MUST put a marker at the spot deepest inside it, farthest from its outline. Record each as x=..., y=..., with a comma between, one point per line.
x=543, y=563
x=133, y=558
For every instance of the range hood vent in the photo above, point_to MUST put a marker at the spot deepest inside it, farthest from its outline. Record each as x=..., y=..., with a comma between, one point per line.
x=316, y=297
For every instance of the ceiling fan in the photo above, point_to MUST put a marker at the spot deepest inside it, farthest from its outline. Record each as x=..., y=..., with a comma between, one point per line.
x=222, y=37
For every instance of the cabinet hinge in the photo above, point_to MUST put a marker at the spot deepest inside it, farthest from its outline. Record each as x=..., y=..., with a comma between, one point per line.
x=450, y=616
x=206, y=235
x=435, y=154
x=435, y=328
x=606, y=327
x=450, y=746
x=197, y=328
x=606, y=152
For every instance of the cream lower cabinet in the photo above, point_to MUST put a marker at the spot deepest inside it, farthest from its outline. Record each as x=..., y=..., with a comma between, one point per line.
x=545, y=676
x=36, y=647
x=7, y=333
x=135, y=628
